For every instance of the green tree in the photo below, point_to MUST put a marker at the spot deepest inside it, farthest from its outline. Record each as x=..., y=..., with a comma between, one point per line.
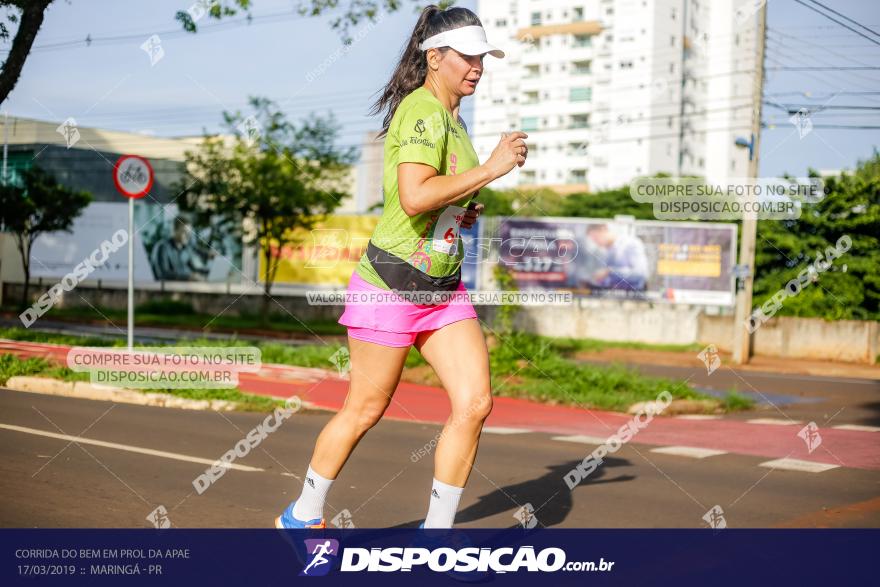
x=521, y=202
x=35, y=206
x=850, y=288
x=27, y=15
x=273, y=178
x=606, y=204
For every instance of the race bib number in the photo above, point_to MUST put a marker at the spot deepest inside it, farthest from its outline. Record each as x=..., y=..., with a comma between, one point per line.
x=446, y=230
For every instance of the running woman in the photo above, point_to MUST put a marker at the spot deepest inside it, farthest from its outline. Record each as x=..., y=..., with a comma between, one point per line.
x=431, y=174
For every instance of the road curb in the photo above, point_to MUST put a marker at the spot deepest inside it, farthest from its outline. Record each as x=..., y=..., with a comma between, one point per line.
x=85, y=390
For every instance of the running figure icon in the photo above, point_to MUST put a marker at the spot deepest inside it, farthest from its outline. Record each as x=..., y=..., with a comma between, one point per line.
x=320, y=550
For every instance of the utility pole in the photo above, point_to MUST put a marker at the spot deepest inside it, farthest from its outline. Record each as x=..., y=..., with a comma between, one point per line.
x=741, y=337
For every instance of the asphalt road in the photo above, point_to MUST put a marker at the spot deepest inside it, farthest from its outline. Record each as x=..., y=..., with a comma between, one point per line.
x=849, y=400
x=53, y=482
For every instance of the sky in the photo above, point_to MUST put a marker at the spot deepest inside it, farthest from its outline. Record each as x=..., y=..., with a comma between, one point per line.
x=301, y=64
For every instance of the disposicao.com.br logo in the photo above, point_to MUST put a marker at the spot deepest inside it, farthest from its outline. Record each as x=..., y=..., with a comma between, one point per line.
x=323, y=552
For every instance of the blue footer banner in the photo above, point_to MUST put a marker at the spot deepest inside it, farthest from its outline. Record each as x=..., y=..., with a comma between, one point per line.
x=433, y=557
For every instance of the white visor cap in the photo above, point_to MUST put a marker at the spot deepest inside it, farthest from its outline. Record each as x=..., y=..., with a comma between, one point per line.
x=469, y=40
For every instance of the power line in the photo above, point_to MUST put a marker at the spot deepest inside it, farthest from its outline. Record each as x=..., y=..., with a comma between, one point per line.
x=841, y=93
x=835, y=126
x=826, y=68
x=846, y=26
x=845, y=17
x=796, y=107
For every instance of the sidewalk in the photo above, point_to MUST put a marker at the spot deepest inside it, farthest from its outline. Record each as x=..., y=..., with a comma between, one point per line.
x=858, y=448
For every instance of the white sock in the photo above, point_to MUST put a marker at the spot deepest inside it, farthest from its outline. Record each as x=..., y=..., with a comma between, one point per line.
x=442, y=505
x=310, y=504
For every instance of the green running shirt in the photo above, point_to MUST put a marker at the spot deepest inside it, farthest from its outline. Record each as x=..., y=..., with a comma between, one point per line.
x=422, y=131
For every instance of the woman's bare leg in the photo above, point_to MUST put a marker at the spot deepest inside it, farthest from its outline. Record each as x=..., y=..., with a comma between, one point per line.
x=459, y=356
x=375, y=373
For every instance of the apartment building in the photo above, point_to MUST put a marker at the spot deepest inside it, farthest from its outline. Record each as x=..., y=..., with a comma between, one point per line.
x=612, y=89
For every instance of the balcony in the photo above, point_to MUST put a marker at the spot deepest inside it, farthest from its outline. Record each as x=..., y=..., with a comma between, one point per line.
x=580, y=41
x=529, y=123
x=579, y=121
x=581, y=67
x=580, y=94
x=529, y=98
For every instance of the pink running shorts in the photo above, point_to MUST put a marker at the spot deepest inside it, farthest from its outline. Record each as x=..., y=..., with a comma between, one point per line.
x=394, y=321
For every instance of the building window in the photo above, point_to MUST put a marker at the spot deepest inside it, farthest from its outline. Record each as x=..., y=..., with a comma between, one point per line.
x=536, y=19
x=582, y=40
x=577, y=176
x=626, y=64
x=580, y=121
x=580, y=94
x=578, y=14
x=530, y=97
x=529, y=123
x=576, y=149
x=532, y=71
x=581, y=67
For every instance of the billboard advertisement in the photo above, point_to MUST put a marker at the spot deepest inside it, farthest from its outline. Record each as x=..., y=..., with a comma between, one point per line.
x=168, y=246
x=679, y=262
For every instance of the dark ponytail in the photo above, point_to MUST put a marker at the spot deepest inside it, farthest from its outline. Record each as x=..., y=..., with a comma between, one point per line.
x=412, y=69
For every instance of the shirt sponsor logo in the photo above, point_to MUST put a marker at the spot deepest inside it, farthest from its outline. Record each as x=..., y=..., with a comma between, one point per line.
x=418, y=141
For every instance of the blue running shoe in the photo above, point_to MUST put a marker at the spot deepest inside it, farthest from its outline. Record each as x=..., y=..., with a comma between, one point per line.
x=286, y=521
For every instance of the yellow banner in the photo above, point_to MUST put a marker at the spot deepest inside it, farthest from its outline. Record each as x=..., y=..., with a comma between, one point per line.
x=689, y=260
x=328, y=253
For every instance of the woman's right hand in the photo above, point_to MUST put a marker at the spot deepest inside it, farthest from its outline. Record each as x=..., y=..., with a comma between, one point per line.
x=510, y=151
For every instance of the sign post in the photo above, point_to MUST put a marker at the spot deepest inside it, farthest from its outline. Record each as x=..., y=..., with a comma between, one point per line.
x=133, y=176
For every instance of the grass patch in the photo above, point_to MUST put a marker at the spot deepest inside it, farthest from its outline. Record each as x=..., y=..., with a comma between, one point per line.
x=734, y=401
x=28, y=335
x=12, y=366
x=594, y=345
x=537, y=367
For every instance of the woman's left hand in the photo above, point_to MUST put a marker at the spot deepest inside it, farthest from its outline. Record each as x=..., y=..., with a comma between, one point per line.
x=471, y=215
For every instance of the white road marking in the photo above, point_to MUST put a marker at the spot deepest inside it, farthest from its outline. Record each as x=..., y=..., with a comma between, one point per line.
x=798, y=465
x=503, y=430
x=129, y=448
x=581, y=439
x=773, y=421
x=689, y=451
x=857, y=427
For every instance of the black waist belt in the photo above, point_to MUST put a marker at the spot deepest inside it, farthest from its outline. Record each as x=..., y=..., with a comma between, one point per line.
x=403, y=277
